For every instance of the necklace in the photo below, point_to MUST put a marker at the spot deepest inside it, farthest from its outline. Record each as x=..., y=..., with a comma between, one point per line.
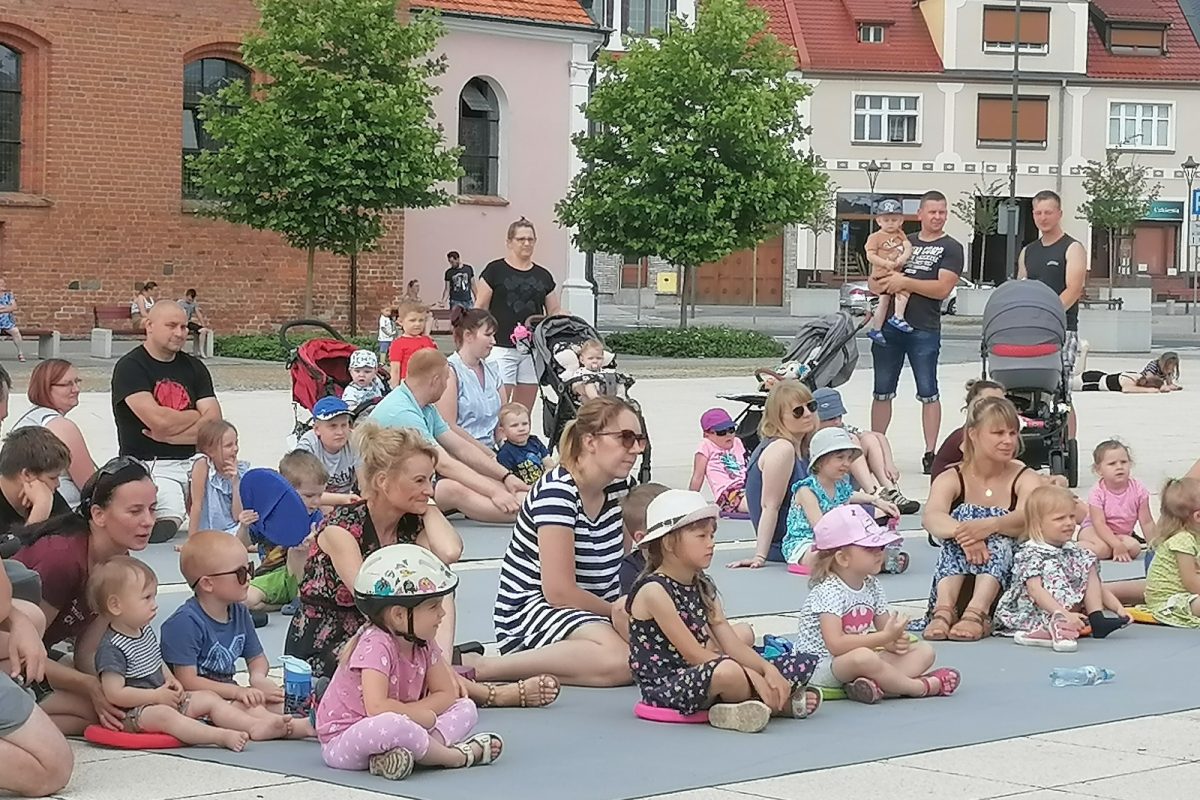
x=987, y=490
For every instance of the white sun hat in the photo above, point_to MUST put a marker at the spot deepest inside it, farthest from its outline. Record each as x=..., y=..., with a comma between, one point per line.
x=675, y=509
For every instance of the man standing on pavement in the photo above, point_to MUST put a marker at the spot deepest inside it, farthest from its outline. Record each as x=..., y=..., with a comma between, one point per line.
x=161, y=397
x=1060, y=262
x=459, y=282
x=929, y=277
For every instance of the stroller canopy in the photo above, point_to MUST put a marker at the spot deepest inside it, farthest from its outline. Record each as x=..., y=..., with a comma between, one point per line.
x=549, y=336
x=319, y=368
x=827, y=347
x=1024, y=313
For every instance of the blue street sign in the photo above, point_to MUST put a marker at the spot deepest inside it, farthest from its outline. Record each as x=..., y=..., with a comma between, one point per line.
x=1196, y=202
x=846, y=225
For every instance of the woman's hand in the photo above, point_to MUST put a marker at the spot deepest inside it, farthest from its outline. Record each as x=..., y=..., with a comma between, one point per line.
x=885, y=506
x=748, y=563
x=515, y=484
x=973, y=531
x=110, y=716
x=26, y=653
x=505, y=502
x=977, y=553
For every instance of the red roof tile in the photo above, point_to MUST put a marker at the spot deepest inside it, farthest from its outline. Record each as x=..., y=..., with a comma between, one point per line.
x=568, y=12
x=1182, y=61
x=825, y=35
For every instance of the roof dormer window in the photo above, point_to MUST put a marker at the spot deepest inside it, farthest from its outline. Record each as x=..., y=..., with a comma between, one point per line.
x=1126, y=39
x=869, y=33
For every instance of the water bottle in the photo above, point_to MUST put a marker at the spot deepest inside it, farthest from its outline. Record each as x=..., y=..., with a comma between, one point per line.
x=297, y=687
x=1081, y=676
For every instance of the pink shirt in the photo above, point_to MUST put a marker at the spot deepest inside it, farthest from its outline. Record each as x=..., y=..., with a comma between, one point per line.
x=724, y=469
x=342, y=704
x=1120, y=508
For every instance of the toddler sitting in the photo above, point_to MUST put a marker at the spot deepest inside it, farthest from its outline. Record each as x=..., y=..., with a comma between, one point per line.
x=365, y=382
x=721, y=460
x=522, y=453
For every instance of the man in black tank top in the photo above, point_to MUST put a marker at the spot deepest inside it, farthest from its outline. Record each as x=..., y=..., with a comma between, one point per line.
x=1060, y=262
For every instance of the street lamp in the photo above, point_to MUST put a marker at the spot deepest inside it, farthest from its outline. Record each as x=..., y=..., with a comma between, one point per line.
x=1010, y=208
x=872, y=171
x=1189, y=174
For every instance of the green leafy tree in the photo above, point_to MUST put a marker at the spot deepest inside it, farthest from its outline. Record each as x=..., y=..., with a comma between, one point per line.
x=821, y=217
x=695, y=152
x=1118, y=196
x=979, y=209
x=339, y=133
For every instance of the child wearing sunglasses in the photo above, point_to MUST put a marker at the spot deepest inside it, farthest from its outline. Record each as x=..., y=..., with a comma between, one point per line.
x=206, y=636
x=721, y=460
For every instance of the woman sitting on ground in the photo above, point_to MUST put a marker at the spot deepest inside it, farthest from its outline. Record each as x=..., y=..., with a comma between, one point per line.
x=778, y=463
x=54, y=391
x=559, y=579
x=951, y=450
x=975, y=508
x=471, y=402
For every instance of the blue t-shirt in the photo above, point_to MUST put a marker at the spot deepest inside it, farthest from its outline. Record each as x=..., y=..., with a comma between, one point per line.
x=754, y=481
x=191, y=638
x=399, y=409
x=524, y=460
x=632, y=567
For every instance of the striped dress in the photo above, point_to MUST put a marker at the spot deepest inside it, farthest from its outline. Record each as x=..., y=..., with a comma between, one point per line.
x=523, y=617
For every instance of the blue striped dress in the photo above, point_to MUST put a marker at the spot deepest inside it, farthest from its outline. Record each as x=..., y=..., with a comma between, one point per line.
x=524, y=619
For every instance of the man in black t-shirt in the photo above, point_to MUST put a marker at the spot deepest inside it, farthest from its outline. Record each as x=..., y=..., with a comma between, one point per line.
x=161, y=396
x=459, y=282
x=929, y=277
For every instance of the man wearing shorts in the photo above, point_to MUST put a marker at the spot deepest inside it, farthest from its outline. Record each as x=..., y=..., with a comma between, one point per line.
x=929, y=277
x=1060, y=262
x=161, y=397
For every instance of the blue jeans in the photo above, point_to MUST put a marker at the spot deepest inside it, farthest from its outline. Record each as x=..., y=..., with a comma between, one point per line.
x=466, y=305
x=921, y=348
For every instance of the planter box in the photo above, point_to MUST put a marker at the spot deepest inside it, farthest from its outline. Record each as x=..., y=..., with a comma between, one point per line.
x=971, y=302
x=1135, y=298
x=629, y=297
x=1123, y=331
x=815, y=302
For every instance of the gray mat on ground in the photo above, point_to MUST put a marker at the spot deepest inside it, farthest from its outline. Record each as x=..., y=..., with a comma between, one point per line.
x=1005, y=693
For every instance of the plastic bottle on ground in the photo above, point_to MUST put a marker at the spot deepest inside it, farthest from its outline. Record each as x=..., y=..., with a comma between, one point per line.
x=1081, y=676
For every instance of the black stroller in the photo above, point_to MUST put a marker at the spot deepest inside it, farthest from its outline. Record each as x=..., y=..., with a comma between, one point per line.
x=551, y=336
x=1024, y=332
x=823, y=354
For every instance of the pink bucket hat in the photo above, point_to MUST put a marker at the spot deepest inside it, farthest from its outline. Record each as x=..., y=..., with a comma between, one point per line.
x=850, y=524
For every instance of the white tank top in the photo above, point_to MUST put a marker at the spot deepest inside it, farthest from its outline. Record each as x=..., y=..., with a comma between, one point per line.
x=39, y=416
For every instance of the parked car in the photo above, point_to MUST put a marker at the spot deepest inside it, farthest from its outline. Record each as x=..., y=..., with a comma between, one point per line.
x=857, y=297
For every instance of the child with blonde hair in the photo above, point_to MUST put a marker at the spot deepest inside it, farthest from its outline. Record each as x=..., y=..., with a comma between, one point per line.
x=523, y=453
x=216, y=502
x=1117, y=505
x=845, y=620
x=413, y=338
x=1173, y=580
x=888, y=250
x=1053, y=578
x=683, y=653
x=585, y=381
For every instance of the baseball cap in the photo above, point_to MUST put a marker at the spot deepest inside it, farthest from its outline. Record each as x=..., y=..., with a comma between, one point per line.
x=715, y=419
x=363, y=358
x=675, y=509
x=830, y=440
x=329, y=407
x=888, y=206
x=829, y=404
x=850, y=524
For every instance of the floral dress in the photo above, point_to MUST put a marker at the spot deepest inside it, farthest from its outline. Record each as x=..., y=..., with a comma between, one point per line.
x=664, y=676
x=1064, y=572
x=799, y=529
x=328, y=618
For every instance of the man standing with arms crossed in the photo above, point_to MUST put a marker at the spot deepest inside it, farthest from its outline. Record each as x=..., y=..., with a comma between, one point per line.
x=929, y=277
x=1060, y=262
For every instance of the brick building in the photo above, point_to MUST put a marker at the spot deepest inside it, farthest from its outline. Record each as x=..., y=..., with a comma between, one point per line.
x=92, y=93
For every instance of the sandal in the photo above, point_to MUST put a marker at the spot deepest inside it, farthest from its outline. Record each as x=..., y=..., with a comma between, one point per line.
x=545, y=683
x=21, y=357
x=395, y=765
x=484, y=740
x=864, y=690
x=948, y=680
x=973, y=626
x=938, y=629
x=798, y=704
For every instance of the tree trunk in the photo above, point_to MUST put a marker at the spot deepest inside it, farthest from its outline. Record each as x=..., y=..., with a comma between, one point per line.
x=354, y=293
x=691, y=273
x=308, y=282
x=816, y=245
x=681, y=280
x=1113, y=257
x=982, y=255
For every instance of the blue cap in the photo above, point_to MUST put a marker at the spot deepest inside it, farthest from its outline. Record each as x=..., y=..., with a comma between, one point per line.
x=829, y=404
x=329, y=407
x=282, y=516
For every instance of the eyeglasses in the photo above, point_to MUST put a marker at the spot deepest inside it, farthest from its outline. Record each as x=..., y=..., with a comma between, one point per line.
x=68, y=384
x=810, y=407
x=629, y=439
x=242, y=573
x=524, y=239
x=724, y=431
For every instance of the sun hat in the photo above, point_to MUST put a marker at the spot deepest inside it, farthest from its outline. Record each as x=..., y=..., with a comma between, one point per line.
x=282, y=518
x=830, y=440
x=329, y=407
x=363, y=358
x=850, y=524
x=675, y=509
x=888, y=206
x=715, y=419
x=829, y=404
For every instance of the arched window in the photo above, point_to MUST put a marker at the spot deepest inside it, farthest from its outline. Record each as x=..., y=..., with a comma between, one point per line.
x=201, y=78
x=479, y=137
x=10, y=119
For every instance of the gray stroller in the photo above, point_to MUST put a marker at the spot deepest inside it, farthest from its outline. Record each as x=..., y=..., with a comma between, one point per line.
x=1024, y=332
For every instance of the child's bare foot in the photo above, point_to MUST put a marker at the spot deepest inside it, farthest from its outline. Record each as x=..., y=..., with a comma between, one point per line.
x=231, y=740
x=299, y=728
x=267, y=728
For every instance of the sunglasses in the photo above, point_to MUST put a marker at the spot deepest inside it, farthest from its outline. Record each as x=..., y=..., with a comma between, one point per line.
x=109, y=468
x=810, y=407
x=243, y=574
x=723, y=431
x=629, y=439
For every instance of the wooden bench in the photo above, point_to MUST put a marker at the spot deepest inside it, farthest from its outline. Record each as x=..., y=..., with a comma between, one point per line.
x=1178, y=297
x=49, y=341
x=111, y=321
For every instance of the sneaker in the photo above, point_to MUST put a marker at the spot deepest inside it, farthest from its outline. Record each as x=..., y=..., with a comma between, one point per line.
x=901, y=502
x=1058, y=636
x=750, y=716
x=927, y=463
x=259, y=618
x=291, y=608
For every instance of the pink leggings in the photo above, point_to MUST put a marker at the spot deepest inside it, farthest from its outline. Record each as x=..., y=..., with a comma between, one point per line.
x=353, y=747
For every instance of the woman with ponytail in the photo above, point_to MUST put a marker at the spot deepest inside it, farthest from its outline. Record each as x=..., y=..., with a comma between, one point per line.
x=471, y=402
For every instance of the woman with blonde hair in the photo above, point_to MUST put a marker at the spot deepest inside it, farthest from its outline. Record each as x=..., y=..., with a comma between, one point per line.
x=776, y=465
x=975, y=508
x=558, y=583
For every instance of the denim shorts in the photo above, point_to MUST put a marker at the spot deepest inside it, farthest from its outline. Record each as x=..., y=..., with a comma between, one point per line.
x=921, y=348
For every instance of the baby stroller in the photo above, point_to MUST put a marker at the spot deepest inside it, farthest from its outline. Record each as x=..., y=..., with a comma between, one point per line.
x=823, y=354
x=549, y=339
x=1024, y=332
x=319, y=368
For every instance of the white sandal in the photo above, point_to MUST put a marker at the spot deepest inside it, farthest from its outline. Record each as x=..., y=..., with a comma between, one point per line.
x=484, y=740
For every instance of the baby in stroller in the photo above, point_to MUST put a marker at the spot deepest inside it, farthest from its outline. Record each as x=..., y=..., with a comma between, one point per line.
x=587, y=370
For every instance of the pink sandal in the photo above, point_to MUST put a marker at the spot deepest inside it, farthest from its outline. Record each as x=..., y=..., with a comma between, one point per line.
x=864, y=690
x=948, y=680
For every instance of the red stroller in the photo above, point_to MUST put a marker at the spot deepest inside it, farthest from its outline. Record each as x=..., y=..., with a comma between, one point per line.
x=319, y=368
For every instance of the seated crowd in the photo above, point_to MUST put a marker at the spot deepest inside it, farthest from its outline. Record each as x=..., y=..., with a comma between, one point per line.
x=603, y=583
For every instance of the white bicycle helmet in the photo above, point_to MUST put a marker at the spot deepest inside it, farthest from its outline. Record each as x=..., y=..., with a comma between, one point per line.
x=404, y=575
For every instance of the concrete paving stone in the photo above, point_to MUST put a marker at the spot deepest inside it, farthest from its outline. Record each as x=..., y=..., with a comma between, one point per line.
x=703, y=794
x=1174, y=736
x=1035, y=762
x=889, y=780
x=1171, y=783
x=307, y=790
x=86, y=753
x=1045, y=794
x=160, y=777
